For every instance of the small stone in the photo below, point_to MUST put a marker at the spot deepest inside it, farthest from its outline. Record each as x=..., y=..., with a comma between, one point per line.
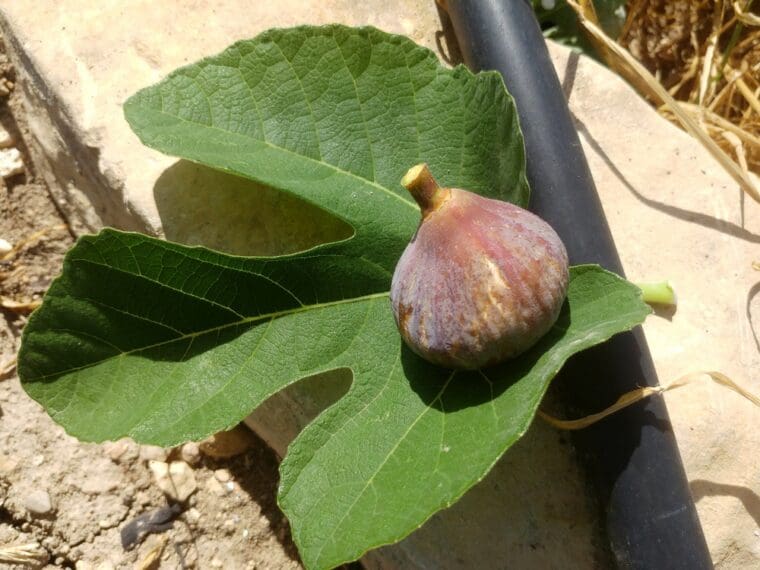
x=226, y=444
x=38, y=460
x=175, y=479
x=5, y=246
x=123, y=449
x=191, y=453
x=222, y=475
x=10, y=162
x=7, y=463
x=152, y=453
x=193, y=516
x=215, y=487
x=216, y=563
x=38, y=503
x=230, y=486
x=6, y=139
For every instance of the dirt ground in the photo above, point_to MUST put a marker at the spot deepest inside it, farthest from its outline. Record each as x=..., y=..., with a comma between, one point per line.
x=67, y=504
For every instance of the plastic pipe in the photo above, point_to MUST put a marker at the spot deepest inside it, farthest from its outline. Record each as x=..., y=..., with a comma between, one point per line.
x=632, y=456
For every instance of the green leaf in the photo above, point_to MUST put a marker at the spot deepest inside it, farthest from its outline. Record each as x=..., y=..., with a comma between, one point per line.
x=168, y=343
x=336, y=116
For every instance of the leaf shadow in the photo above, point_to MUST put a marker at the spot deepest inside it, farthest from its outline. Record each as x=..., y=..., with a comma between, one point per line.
x=198, y=205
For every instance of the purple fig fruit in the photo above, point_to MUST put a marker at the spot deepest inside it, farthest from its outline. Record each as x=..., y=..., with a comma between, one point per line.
x=481, y=280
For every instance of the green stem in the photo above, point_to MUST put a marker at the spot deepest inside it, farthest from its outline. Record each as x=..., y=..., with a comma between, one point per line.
x=735, y=33
x=661, y=293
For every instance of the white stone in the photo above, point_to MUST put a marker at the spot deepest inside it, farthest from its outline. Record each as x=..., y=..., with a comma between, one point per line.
x=215, y=487
x=176, y=479
x=11, y=162
x=38, y=503
x=222, y=475
x=152, y=453
x=5, y=246
x=191, y=453
x=193, y=515
x=6, y=139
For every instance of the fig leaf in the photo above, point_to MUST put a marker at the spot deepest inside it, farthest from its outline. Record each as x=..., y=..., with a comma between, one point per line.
x=166, y=343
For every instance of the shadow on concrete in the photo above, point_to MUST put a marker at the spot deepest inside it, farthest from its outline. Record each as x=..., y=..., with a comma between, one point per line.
x=256, y=471
x=446, y=40
x=751, y=501
x=751, y=294
x=704, y=220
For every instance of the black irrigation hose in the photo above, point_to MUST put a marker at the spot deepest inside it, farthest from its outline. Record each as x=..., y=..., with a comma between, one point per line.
x=632, y=457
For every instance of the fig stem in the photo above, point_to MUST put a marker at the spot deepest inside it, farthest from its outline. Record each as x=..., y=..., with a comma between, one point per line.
x=661, y=293
x=424, y=189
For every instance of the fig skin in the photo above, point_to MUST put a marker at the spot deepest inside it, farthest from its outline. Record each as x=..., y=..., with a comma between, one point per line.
x=481, y=280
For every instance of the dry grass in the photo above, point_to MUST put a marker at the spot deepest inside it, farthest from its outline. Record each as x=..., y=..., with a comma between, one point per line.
x=698, y=62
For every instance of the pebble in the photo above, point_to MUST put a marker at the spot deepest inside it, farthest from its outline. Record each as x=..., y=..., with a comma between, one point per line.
x=176, y=479
x=226, y=444
x=216, y=563
x=10, y=162
x=152, y=453
x=193, y=516
x=222, y=475
x=6, y=139
x=5, y=246
x=191, y=453
x=215, y=487
x=38, y=503
x=121, y=450
x=7, y=463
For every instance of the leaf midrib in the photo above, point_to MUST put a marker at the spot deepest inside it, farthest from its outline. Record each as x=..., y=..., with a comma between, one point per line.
x=248, y=320
x=371, y=478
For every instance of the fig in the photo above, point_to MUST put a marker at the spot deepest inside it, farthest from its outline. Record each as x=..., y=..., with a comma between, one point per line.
x=481, y=280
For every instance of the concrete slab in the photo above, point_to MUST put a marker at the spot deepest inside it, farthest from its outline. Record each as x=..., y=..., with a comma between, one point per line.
x=674, y=214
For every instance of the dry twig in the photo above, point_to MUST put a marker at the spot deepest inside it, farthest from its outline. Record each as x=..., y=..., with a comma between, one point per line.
x=642, y=393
